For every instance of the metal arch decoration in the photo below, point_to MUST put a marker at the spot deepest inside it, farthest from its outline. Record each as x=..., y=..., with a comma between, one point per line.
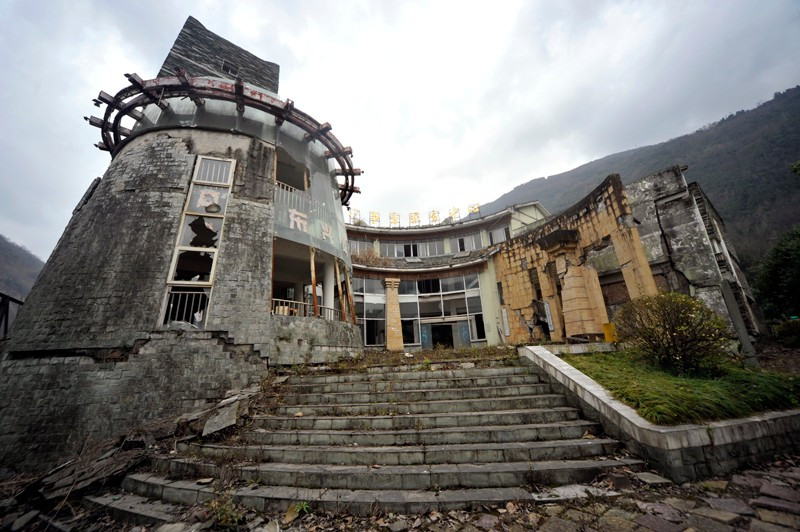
x=156, y=91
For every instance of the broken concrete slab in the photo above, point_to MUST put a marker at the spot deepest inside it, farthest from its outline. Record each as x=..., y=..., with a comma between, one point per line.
x=720, y=516
x=224, y=418
x=780, y=492
x=730, y=505
x=651, y=479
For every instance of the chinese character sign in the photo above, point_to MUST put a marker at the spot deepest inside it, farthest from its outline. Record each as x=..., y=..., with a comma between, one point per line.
x=374, y=218
x=413, y=219
x=394, y=219
x=433, y=217
x=475, y=208
x=454, y=214
x=355, y=216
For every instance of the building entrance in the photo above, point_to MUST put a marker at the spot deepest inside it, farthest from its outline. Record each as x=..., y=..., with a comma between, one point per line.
x=442, y=334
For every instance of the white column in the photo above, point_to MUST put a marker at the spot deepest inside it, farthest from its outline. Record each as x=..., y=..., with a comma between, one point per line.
x=328, y=282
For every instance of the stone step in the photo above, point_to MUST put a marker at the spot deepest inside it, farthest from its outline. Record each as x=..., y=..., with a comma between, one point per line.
x=430, y=407
x=396, y=375
x=405, y=477
x=561, y=430
x=134, y=509
x=409, y=454
x=417, y=362
x=410, y=396
x=357, y=502
x=412, y=384
x=419, y=421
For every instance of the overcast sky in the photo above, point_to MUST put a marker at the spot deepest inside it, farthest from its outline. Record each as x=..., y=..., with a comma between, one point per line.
x=444, y=103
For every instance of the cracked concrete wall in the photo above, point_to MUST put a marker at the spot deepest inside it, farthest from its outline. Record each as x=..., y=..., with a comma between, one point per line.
x=674, y=234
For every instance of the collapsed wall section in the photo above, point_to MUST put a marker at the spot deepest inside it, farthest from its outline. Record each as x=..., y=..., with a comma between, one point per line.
x=57, y=406
x=550, y=288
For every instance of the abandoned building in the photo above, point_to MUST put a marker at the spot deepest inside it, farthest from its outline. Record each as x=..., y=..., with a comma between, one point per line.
x=215, y=246
x=522, y=275
x=188, y=267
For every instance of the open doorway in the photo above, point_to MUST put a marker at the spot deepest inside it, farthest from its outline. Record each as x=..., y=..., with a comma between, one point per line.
x=442, y=334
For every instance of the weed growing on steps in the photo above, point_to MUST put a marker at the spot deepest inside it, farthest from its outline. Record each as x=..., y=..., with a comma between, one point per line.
x=302, y=508
x=225, y=514
x=482, y=357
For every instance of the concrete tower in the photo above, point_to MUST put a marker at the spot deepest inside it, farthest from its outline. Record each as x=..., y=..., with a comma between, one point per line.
x=213, y=247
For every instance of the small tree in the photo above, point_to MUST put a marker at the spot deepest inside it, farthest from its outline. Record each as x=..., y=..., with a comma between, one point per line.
x=675, y=332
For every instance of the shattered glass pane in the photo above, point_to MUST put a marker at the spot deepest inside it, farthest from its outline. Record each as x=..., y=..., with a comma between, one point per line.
x=194, y=266
x=200, y=231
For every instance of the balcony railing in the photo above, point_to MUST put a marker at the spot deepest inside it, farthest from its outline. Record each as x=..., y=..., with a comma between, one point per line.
x=284, y=307
x=187, y=305
x=292, y=198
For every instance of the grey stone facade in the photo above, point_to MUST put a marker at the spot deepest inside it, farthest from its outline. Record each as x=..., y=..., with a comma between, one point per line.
x=54, y=406
x=202, y=53
x=311, y=340
x=106, y=340
x=687, y=248
x=88, y=356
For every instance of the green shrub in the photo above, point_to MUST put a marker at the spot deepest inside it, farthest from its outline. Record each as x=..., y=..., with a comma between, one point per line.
x=674, y=332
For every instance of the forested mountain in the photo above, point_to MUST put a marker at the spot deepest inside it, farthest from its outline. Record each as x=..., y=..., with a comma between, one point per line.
x=743, y=162
x=18, y=269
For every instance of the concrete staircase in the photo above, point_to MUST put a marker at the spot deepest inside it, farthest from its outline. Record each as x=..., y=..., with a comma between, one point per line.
x=403, y=440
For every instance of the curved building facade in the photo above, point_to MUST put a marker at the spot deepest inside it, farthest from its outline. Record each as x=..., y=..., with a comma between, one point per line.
x=213, y=247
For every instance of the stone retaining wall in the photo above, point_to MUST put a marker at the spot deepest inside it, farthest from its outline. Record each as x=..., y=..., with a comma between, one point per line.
x=53, y=406
x=312, y=340
x=683, y=452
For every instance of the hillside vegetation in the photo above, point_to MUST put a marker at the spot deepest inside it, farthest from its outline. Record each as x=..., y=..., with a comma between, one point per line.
x=743, y=162
x=18, y=269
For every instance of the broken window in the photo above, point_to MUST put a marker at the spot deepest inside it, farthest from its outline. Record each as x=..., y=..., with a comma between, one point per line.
x=375, y=332
x=476, y=327
x=290, y=172
x=186, y=304
x=410, y=330
x=534, y=277
x=200, y=232
x=194, y=266
x=229, y=68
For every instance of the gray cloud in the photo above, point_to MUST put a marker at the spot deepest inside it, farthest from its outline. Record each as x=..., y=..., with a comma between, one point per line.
x=444, y=103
